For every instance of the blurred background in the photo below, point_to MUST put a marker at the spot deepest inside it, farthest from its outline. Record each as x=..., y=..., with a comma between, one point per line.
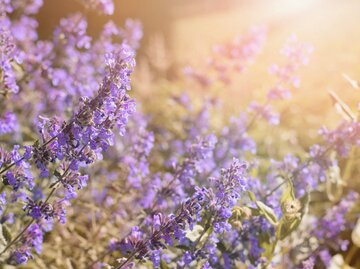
x=178, y=33
x=189, y=27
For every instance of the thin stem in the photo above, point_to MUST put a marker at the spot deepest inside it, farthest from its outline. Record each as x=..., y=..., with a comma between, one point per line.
x=254, y=118
x=10, y=165
x=17, y=237
x=275, y=189
x=156, y=234
x=43, y=145
x=101, y=257
x=225, y=155
x=206, y=228
x=126, y=261
x=32, y=221
x=27, y=226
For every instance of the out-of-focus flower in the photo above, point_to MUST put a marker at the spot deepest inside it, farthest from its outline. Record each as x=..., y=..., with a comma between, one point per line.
x=103, y=6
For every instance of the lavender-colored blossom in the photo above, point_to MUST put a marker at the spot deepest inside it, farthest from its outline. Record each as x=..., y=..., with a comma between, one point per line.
x=309, y=263
x=2, y=202
x=229, y=57
x=185, y=172
x=24, y=30
x=140, y=142
x=265, y=112
x=132, y=33
x=248, y=238
x=163, y=228
x=297, y=55
x=224, y=194
x=8, y=123
x=21, y=175
x=28, y=7
x=161, y=179
x=72, y=31
x=8, y=52
x=343, y=137
x=104, y=6
x=32, y=238
x=334, y=222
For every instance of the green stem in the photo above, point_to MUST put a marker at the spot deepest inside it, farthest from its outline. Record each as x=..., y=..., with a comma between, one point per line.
x=10, y=165
x=275, y=189
x=206, y=228
x=351, y=254
x=17, y=237
x=32, y=221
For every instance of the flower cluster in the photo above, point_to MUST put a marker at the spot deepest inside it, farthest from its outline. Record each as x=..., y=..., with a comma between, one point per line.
x=65, y=147
x=104, y=6
x=87, y=182
x=297, y=54
x=230, y=57
x=221, y=198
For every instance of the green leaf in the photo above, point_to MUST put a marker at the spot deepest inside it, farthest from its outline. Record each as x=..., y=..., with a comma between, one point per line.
x=305, y=201
x=3, y=241
x=264, y=210
x=163, y=265
x=203, y=240
x=194, y=234
x=255, y=211
x=6, y=233
x=222, y=247
x=183, y=247
x=288, y=194
x=267, y=212
x=252, y=196
x=57, y=174
x=288, y=224
x=200, y=264
x=285, y=228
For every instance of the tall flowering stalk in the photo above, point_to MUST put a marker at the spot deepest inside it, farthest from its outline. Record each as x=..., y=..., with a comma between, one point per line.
x=157, y=196
x=75, y=143
x=230, y=57
x=214, y=203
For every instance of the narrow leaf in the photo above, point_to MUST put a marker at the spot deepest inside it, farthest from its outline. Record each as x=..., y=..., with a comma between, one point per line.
x=163, y=264
x=267, y=212
x=342, y=108
x=352, y=82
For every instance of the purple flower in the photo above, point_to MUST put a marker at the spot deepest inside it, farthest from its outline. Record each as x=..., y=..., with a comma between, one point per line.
x=163, y=228
x=343, y=137
x=8, y=124
x=132, y=33
x=265, y=112
x=32, y=238
x=155, y=258
x=104, y=6
x=72, y=32
x=8, y=53
x=334, y=222
x=309, y=263
x=20, y=175
x=297, y=55
x=224, y=194
x=140, y=142
x=28, y=7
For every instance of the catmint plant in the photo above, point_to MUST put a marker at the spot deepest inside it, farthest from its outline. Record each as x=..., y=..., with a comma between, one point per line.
x=88, y=182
